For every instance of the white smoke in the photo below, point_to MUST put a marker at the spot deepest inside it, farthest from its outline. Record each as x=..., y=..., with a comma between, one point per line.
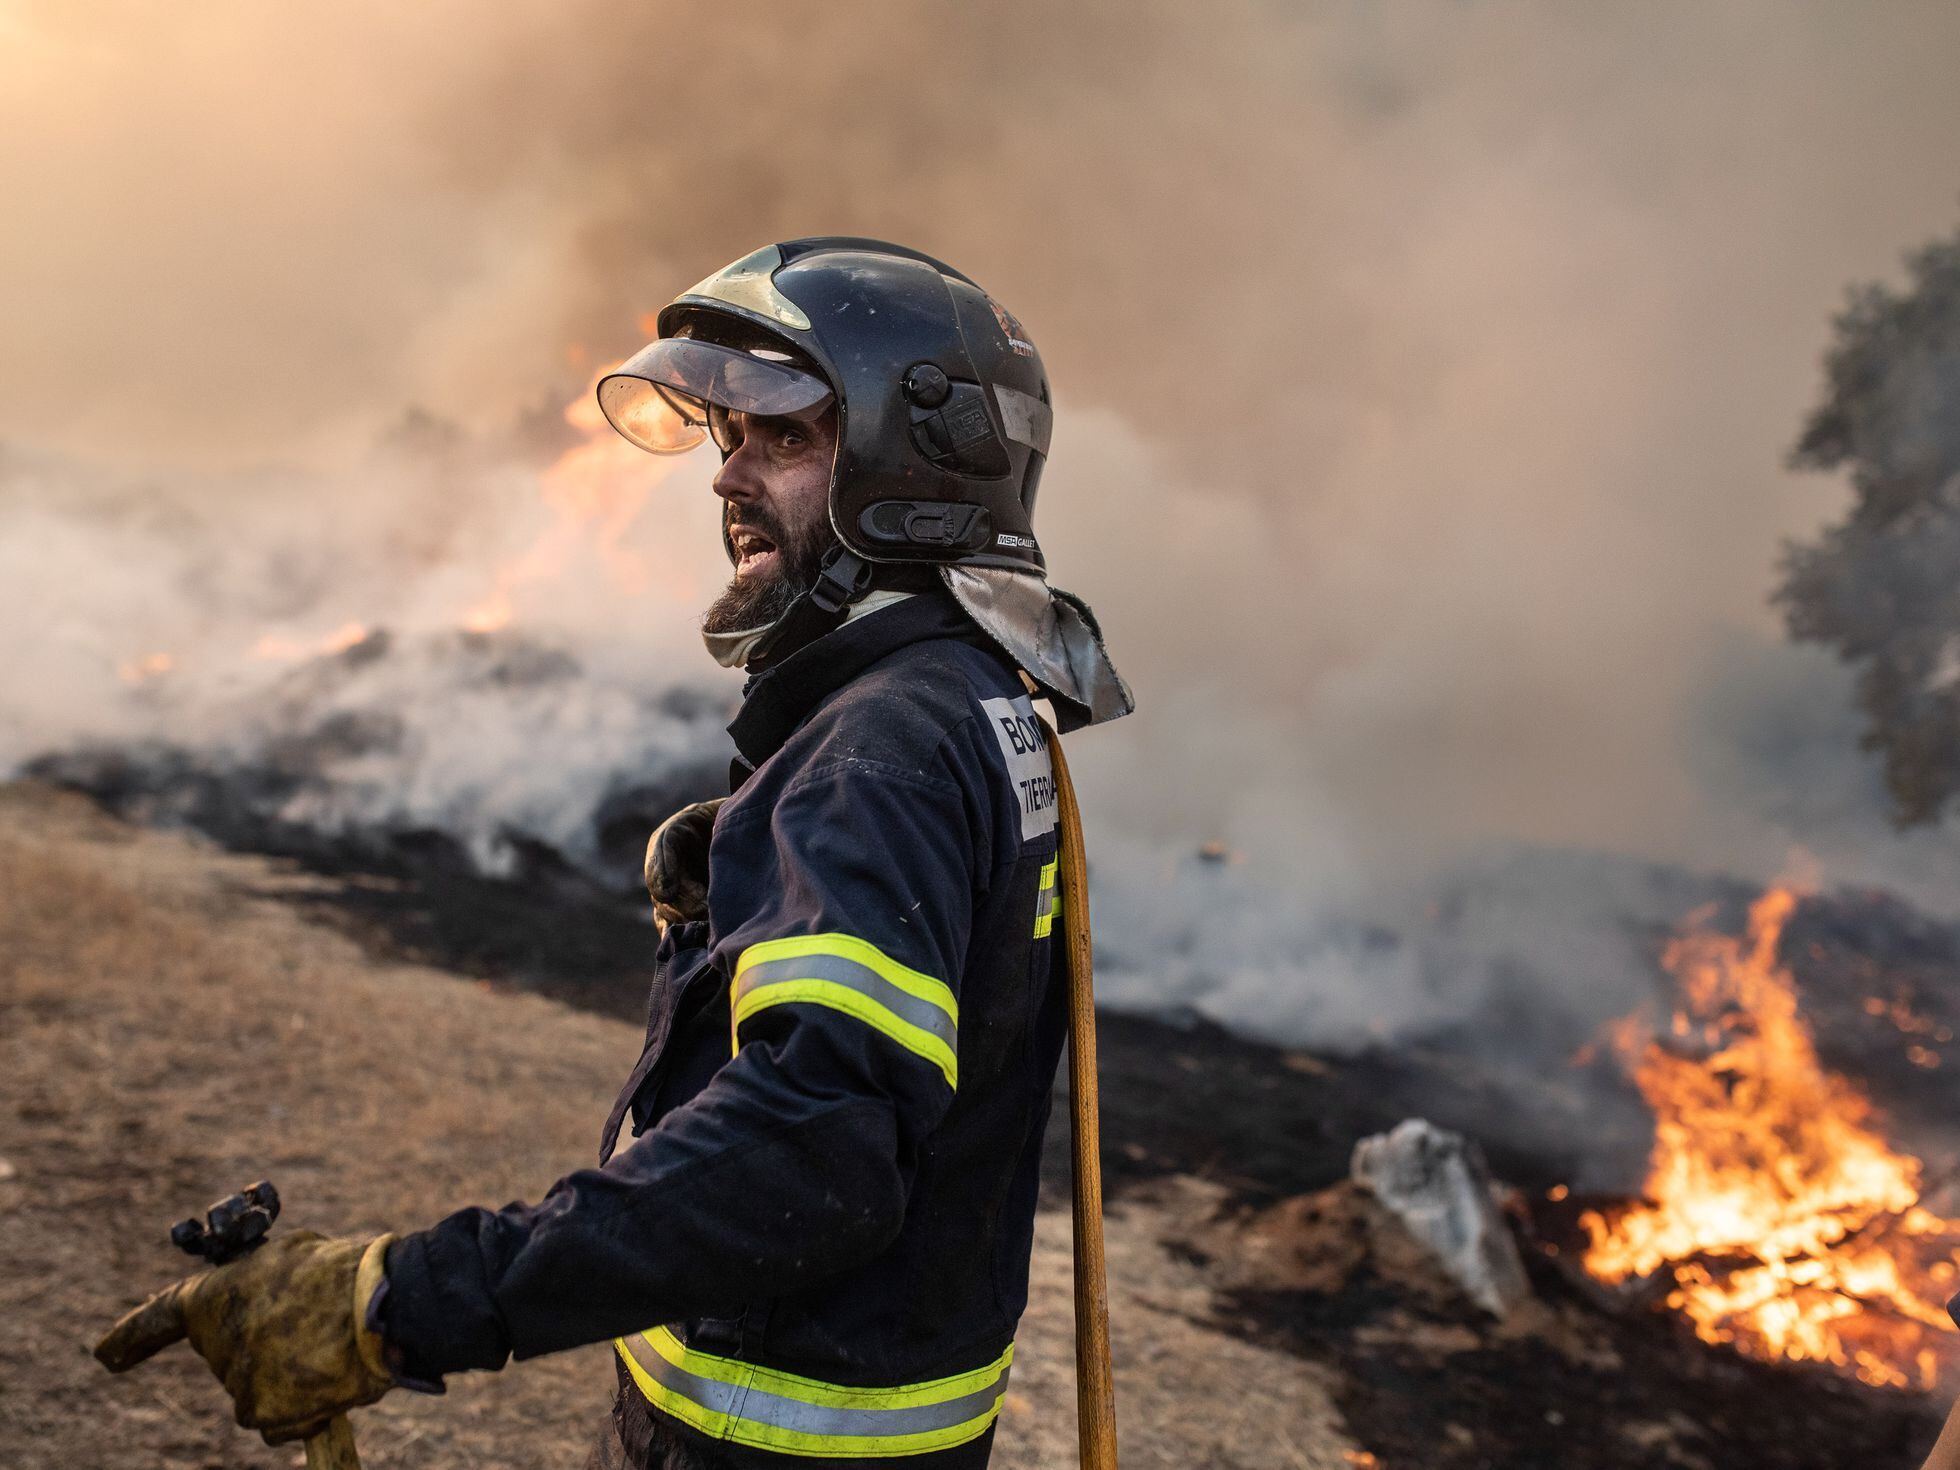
x=315, y=633
x=1423, y=377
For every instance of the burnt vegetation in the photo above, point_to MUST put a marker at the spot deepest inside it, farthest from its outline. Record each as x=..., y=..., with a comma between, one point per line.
x=1421, y=1376
x=1298, y=1259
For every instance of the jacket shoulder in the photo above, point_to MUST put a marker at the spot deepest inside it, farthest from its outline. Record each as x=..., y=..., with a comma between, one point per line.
x=900, y=711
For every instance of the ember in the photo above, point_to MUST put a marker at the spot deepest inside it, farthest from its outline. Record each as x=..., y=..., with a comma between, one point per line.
x=277, y=646
x=1899, y=1011
x=1787, y=1226
x=136, y=670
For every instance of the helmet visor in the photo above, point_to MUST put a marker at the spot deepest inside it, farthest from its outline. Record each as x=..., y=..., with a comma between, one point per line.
x=660, y=396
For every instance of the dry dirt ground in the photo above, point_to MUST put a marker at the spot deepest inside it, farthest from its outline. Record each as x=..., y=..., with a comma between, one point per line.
x=172, y=1027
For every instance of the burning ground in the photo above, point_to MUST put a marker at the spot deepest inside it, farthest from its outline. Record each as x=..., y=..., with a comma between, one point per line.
x=252, y=1017
x=1776, y=1215
x=171, y=1023
x=1720, y=1117
x=1419, y=449
x=1708, y=1107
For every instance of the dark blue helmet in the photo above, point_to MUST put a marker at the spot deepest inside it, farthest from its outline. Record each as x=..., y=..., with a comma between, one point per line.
x=942, y=403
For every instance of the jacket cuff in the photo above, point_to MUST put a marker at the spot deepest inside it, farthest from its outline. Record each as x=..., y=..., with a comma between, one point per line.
x=435, y=1305
x=394, y=1358
x=677, y=939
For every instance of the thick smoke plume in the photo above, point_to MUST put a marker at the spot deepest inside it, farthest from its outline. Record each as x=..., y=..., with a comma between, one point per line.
x=1424, y=376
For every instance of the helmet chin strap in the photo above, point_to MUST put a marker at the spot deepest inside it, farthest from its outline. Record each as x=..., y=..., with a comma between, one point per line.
x=843, y=578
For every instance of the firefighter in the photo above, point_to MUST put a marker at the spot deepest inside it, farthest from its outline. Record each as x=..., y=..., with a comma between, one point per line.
x=808, y=1234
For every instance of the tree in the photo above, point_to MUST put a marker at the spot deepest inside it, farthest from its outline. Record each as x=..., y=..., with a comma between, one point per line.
x=1882, y=586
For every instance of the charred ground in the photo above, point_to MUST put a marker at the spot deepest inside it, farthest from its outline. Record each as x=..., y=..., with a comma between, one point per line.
x=1227, y=1162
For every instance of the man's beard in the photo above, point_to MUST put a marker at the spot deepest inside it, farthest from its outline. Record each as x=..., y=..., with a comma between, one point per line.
x=757, y=600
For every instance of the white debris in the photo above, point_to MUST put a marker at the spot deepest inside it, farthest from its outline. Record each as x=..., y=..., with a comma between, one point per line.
x=1437, y=1184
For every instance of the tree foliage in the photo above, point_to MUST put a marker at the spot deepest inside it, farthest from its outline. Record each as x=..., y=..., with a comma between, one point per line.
x=1882, y=586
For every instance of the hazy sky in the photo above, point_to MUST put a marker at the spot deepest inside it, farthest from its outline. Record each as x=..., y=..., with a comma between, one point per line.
x=1425, y=371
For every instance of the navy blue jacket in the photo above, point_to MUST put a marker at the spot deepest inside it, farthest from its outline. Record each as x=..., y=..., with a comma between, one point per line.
x=815, y=1245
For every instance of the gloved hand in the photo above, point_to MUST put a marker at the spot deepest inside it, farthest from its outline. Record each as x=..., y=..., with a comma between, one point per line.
x=283, y=1328
x=677, y=864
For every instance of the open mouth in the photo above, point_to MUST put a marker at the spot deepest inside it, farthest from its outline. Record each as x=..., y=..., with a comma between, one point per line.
x=753, y=550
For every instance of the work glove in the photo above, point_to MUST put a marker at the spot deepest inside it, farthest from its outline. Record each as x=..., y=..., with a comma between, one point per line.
x=677, y=864
x=283, y=1328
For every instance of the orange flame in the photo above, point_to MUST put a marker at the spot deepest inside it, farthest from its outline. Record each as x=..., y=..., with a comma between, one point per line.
x=278, y=646
x=1788, y=1227
x=141, y=670
x=595, y=491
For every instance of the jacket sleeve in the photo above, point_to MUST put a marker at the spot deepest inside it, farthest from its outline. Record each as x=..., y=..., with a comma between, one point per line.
x=795, y=1161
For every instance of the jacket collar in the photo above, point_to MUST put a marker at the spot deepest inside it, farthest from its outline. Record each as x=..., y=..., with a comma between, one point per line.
x=777, y=701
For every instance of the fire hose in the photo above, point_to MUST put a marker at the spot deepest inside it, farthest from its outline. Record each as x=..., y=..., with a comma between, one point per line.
x=1095, y=1386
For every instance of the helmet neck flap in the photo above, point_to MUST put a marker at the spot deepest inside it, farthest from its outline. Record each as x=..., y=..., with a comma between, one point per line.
x=943, y=426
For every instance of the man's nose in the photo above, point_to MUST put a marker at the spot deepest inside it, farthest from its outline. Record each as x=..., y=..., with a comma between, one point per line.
x=736, y=480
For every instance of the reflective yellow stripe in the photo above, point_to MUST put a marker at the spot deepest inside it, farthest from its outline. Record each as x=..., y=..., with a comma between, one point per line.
x=849, y=975
x=748, y=1404
x=1044, y=901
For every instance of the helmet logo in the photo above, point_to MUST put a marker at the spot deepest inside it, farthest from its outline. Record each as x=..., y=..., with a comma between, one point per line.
x=1012, y=330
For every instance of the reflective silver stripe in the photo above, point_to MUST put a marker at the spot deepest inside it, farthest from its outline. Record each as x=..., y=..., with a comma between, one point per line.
x=852, y=976
x=759, y=1406
x=1047, y=897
